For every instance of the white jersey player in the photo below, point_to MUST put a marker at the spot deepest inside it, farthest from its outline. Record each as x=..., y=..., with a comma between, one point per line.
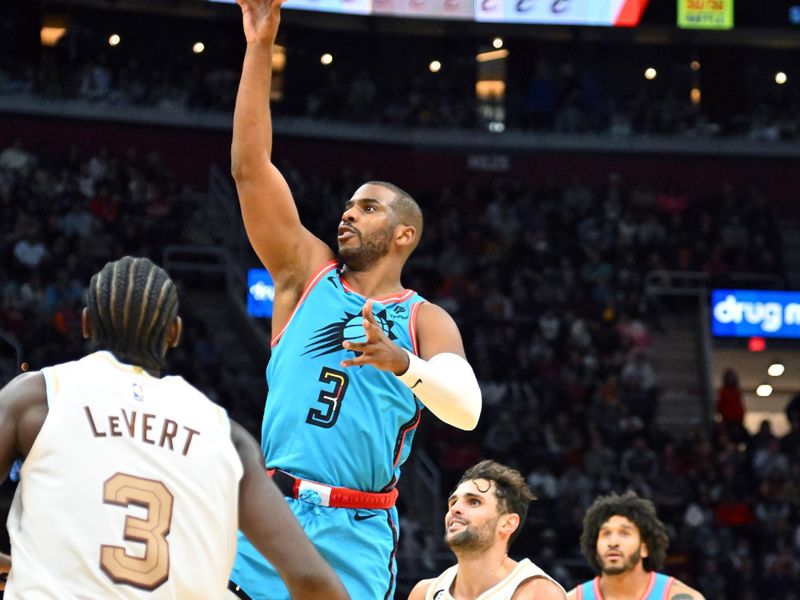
x=132, y=484
x=507, y=588
x=485, y=514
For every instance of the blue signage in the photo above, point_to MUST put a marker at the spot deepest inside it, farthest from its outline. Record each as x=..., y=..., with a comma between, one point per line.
x=749, y=313
x=260, y=293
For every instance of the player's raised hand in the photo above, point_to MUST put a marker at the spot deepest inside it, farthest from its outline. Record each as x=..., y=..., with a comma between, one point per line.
x=260, y=19
x=378, y=350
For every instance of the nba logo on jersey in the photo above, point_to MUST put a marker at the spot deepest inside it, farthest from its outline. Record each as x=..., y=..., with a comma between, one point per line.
x=138, y=393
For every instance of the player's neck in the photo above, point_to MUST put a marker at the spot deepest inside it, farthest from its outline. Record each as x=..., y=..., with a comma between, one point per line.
x=480, y=572
x=379, y=281
x=630, y=585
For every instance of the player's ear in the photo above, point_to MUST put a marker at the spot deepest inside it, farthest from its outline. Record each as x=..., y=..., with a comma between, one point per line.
x=174, y=333
x=644, y=551
x=405, y=235
x=509, y=523
x=86, y=324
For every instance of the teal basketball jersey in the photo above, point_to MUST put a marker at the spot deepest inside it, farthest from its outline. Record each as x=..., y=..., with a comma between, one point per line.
x=658, y=587
x=349, y=427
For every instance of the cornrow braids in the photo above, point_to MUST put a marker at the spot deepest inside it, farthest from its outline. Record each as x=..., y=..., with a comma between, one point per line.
x=131, y=303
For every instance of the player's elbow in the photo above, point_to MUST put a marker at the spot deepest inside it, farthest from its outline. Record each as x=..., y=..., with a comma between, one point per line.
x=246, y=164
x=464, y=408
x=470, y=422
x=239, y=170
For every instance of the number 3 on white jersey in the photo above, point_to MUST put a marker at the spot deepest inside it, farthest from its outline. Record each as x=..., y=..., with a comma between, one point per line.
x=152, y=569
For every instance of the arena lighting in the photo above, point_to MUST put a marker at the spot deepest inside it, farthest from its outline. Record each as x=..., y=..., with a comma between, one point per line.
x=695, y=95
x=114, y=40
x=764, y=390
x=650, y=73
x=326, y=58
x=497, y=42
x=776, y=369
x=435, y=66
x=278, y=58
x=490, y=90
x=780, y=77
x=756, y=344
x=491, y=55
x=198, y=47
x=49, y=36
x=694, y=65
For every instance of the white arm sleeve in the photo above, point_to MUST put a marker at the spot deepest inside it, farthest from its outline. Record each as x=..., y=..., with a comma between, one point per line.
x=447, y=386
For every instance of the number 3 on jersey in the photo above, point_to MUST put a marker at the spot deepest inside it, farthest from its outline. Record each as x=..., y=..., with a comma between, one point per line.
x=152, y=569
x=330, y=399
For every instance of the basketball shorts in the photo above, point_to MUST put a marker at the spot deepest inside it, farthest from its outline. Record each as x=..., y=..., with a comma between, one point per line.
x=359, y=544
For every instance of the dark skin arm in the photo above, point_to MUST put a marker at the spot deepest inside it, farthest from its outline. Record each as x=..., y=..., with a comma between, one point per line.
x=23, y=408
x=286, y=248
x=269, y=524
x=264, y=515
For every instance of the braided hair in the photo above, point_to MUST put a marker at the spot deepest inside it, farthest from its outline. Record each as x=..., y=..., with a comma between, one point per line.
x=131, y=303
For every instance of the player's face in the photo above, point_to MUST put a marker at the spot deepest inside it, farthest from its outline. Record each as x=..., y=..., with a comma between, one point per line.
x=472, y=516
x=367, y=227
x=619, y=546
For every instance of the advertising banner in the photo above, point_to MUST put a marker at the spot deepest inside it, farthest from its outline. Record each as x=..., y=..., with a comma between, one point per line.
x=260, y=293
x=705, y=14
x=761, y=313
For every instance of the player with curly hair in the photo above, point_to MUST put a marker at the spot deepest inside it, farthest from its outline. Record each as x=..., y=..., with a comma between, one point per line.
x=625, y=544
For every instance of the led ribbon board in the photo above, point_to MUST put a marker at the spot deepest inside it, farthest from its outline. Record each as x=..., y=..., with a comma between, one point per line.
x=608, y=13
x=759, y=313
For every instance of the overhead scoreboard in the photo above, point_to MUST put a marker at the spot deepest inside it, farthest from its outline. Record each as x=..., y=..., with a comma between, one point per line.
x=605, y=13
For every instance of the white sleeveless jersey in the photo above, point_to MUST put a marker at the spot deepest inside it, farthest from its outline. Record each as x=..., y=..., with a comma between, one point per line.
x=503, y=590
x=129, y=491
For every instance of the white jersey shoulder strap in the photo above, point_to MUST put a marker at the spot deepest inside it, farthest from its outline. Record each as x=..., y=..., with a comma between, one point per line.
x=502, y=590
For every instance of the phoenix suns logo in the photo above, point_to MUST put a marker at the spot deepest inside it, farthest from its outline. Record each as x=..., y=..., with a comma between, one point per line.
x=329, y=338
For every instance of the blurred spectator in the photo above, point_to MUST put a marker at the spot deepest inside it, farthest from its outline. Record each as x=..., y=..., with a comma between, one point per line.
x=730, y=406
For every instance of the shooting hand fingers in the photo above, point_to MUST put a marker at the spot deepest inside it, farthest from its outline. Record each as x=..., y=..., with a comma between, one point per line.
x=366, y=311
x=354, y=346
x=354, y=362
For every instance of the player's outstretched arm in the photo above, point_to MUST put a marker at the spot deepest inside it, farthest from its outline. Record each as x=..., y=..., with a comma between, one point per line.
x=288, y=250
x=23, y=409
x=440, y=376
x=265, y=518
x=573, y=594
